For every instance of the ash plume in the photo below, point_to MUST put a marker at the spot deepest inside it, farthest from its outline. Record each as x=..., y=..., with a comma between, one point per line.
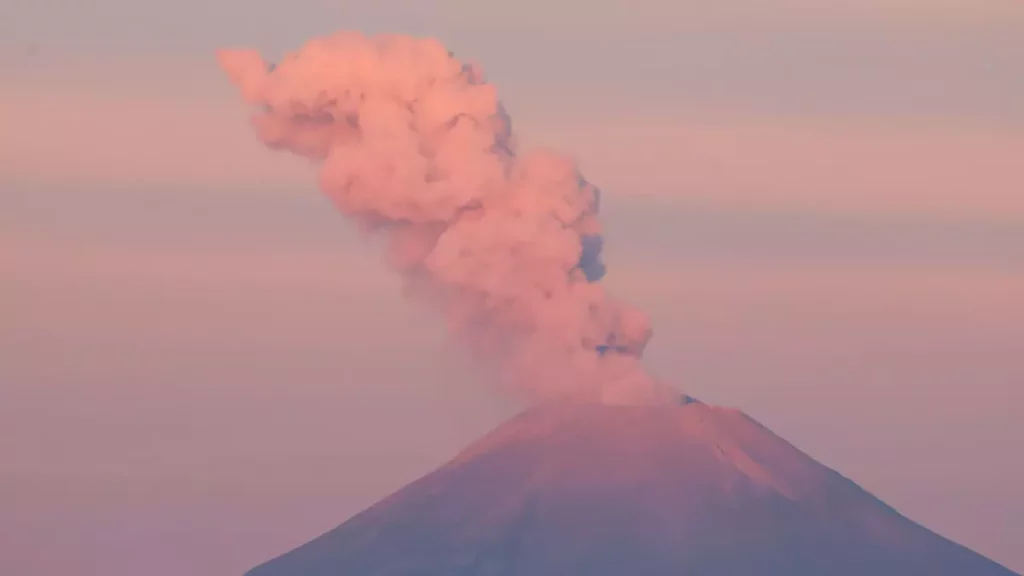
x=413, y=144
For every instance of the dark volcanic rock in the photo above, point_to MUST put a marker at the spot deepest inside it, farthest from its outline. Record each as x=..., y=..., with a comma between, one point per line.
x=594, y=490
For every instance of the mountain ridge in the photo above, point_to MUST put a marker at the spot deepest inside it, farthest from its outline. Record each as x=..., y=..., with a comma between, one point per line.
x=597, y=490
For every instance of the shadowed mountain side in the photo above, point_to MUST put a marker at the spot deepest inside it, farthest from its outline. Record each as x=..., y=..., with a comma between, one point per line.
x=613, y=491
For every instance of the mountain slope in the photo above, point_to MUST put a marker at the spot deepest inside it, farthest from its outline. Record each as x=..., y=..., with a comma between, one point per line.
x=608, y=491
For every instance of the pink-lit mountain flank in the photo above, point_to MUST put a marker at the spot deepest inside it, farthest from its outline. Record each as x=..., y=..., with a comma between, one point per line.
x=594, y=490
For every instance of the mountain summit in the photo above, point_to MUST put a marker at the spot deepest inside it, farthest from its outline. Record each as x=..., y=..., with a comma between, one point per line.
x=593, y=490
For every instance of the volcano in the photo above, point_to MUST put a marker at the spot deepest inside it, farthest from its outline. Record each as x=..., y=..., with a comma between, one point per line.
x=594, y=490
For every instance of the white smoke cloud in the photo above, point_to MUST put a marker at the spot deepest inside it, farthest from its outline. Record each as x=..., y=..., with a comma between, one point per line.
x=413, y=144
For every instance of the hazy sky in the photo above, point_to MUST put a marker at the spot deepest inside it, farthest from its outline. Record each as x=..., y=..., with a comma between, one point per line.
x=821, y=204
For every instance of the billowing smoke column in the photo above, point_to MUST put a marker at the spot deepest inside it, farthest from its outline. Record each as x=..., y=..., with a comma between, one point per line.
x=413, y=144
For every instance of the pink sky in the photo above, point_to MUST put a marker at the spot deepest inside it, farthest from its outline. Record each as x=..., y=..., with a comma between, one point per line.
x=201, y=364
x=150, y=128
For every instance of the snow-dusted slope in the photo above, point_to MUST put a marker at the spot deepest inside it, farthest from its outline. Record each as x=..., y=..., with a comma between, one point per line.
x=592, y=490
